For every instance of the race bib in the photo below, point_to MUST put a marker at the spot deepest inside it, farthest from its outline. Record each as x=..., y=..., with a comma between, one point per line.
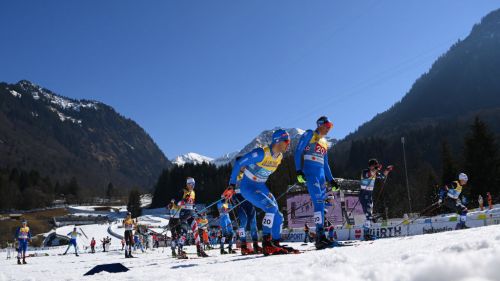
x=241, y=232
x=268, y=220
x=318, y=218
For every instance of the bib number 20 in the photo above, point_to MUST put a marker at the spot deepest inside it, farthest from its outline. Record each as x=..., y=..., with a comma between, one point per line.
x=268, y=220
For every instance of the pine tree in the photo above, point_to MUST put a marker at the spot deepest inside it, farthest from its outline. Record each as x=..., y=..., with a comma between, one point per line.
x=482, y=162
x=110, y=191
x=134, y=203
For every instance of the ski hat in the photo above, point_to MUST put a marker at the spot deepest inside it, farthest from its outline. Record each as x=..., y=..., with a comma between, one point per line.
x=279, y=136
x=24, y=222
x=190, y=180
x=372, y=162
x=323, y=120
x=463, y=177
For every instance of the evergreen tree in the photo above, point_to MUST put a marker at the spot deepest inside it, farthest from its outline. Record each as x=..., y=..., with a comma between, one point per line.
x=134, y=203
x=110, y=191
x=482, y=163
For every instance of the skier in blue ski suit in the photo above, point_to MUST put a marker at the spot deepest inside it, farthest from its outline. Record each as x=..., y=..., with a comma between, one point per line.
x=226, y=227
x=311, y=164
x=247, y=217
x=258, y=165
x=23, y=236
x=72, y=241
x=449, y=196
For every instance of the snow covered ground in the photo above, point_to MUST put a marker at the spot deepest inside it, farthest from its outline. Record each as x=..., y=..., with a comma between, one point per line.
x=471, y=254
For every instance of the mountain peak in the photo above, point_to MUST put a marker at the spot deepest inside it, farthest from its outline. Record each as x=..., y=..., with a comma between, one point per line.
x=191, y=157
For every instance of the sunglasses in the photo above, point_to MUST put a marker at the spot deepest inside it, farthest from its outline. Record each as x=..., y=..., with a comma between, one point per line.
x=328, y=124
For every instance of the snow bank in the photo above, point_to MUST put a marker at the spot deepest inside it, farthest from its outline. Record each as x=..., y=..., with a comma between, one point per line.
x=471, y=254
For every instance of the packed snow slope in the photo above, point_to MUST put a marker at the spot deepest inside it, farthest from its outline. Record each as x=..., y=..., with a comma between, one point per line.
x=471, y=254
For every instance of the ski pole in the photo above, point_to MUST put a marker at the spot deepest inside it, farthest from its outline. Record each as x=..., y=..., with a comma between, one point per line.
x=217, y=217
x=241, y=202
x=197, y=212
x=83, y=233
x=352, y=210
x=209, y=206
x=380, y=192
x=422, y=213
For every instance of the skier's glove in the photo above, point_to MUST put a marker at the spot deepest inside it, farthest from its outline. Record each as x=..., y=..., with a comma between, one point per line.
x=229, y=192
x=301, y=177
x=335, y=185
x=440, y=201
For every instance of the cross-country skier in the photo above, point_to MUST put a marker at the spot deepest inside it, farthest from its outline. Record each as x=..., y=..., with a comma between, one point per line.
x=247, y=217
x=23, y=235
x=187, y=220
x=226, y=227
x=129, y=224
x=174, y=224
x=258, y=165
x=368, y=178
x=449, y=196
x=73, y=235
x=138, y=243
x=311, y=164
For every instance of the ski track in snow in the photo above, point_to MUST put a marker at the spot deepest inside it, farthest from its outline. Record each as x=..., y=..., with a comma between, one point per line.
x=471, y=254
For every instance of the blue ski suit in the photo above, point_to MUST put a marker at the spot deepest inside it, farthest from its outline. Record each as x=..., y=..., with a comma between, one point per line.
x=23, y=235
x=259, y=164
x=313, y=150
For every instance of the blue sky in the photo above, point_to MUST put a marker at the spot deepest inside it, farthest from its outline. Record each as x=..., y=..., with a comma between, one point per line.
x=208, y=76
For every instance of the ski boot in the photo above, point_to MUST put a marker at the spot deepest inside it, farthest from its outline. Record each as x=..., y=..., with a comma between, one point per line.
x=24, y=261
x=230, y=250
x=368, y=236
x=269, y=248
x=323, y=243
x=245, y=251
x=19, y=261
x=174, y=254
x=256, y=248
x=222, y=251
x=289, y=249
x=181, y=254
x=200, y=252
x=126, y=254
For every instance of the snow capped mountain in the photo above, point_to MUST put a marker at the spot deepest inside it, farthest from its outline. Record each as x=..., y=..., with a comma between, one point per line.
x=63, y=107
x=39, y=93
x=261, y=140
x=191, y=157
x=225, y=159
